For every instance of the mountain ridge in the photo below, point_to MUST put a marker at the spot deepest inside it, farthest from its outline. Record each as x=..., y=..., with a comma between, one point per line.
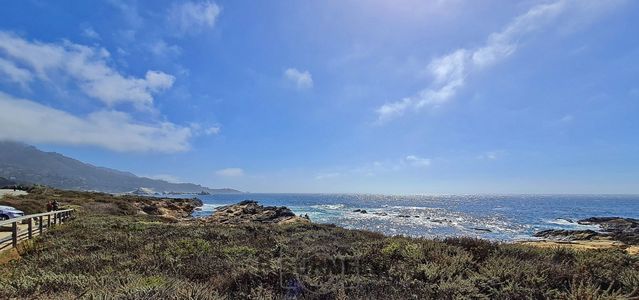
x=24, y=163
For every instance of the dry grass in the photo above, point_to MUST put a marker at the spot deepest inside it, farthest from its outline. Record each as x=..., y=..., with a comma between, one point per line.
x=115, y=255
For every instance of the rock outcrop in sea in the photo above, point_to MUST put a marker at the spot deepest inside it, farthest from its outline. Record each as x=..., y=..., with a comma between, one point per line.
x=249, y=211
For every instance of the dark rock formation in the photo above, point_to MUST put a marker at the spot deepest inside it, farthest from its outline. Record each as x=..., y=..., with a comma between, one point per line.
x=625, y=230
x=621, y=229
x=363, y=211
x=249, y=211
x=570, y=235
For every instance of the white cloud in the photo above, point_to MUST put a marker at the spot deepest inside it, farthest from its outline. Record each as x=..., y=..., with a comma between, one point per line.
x=197, y=129
x=89, y=32
x=451, y=70
x=193, y=17
x=303, y=80
x=158, y=81
x=87, y=66
x=165, y=177
x=161, y=48
x=230, y=172
x=212, y=130
x=14, y=73
x=417, y=161
x=28, y=121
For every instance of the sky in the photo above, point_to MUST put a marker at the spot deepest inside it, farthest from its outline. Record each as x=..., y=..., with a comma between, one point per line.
x=349, y=96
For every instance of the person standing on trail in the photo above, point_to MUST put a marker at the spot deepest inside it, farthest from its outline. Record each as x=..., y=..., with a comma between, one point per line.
x=56, y=205
x=49, y=206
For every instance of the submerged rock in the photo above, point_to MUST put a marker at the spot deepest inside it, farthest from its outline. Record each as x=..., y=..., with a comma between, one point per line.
x=363, y=211
x=482, y=229
x=249, y=211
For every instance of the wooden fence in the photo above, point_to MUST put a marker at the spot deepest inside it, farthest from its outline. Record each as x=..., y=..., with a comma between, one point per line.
x=36, y=225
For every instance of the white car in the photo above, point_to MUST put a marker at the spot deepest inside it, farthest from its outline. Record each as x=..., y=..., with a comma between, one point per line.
x=8, y=212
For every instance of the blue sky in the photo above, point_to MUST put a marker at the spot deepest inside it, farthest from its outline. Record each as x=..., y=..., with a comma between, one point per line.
x=332, y=96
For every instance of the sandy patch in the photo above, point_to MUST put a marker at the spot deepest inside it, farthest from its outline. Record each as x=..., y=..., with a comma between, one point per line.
x=11, y=192
x=585, y=245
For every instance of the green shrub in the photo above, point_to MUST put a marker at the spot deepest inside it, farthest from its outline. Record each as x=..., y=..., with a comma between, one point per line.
x=101, y=256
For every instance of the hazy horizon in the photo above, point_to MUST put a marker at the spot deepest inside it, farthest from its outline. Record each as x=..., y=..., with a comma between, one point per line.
x=366, y=97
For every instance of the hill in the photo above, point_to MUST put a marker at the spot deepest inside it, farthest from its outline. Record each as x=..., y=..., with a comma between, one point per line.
x=27, y=164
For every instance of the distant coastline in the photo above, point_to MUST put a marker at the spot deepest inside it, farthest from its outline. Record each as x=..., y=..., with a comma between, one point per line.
x=27, y=165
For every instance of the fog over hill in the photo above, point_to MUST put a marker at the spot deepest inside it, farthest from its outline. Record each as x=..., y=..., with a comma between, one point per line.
x=27, y=164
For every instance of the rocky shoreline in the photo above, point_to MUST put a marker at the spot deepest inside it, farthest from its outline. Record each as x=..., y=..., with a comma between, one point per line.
x=616, y=232
x=249, y=211
x=171, y=208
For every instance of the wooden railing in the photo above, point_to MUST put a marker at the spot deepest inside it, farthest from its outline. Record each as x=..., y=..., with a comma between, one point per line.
x=43, y=221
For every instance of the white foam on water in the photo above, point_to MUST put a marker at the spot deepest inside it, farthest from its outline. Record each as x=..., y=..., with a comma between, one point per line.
x=329, y=206
x=416, y=207
x=560, y=221
x=573, y=225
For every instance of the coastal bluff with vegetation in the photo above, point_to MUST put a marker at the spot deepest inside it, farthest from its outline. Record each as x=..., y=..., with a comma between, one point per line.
x=133, y=247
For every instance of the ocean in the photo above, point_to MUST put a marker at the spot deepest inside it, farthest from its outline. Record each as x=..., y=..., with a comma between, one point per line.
x=494, y=217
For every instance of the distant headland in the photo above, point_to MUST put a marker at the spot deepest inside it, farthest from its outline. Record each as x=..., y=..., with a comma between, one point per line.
x=24, y=164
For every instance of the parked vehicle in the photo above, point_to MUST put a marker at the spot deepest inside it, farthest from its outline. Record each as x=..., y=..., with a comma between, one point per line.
x=8, y=212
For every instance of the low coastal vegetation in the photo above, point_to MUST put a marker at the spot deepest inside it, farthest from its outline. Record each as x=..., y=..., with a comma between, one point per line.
x=120, y=253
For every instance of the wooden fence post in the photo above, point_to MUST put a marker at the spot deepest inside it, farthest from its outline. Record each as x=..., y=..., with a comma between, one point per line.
x=30, y=228
x=59, y=217
x=14, y=234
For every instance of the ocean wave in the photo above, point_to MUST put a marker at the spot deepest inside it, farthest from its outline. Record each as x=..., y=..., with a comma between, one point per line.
x=562, y=221
x=209, y=207
x=329, y=206
x=416, y=207
x=572, y=224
